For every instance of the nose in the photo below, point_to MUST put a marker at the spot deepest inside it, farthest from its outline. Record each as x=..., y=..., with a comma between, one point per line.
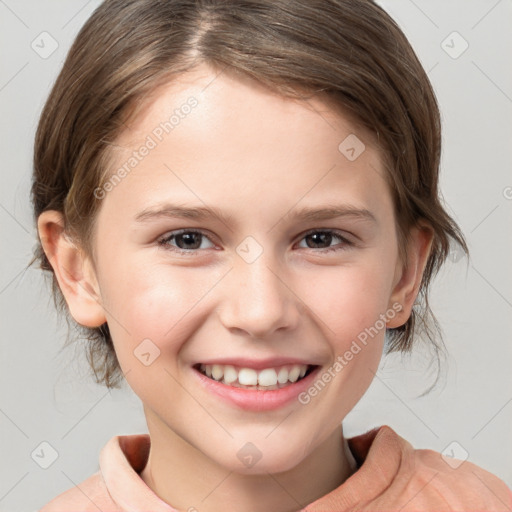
x=259, y=300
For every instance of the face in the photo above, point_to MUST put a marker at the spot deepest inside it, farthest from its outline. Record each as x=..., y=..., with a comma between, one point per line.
x=258, y=283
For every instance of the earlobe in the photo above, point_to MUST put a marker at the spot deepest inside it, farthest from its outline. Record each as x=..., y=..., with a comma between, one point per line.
x=410, y=275
x=73, y=270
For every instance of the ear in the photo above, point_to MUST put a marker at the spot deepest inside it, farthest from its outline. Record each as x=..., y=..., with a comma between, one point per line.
x=408, y=276
x=73, y=270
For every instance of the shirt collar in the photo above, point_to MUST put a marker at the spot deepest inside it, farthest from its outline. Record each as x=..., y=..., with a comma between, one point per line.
x=378, y=453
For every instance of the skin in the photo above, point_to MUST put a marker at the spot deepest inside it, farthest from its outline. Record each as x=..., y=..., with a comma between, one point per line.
x=258, y=157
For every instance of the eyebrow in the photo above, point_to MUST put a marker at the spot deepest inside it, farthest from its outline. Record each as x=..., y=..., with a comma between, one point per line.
x=183, y=212
x=332, y=212
x=306, y=213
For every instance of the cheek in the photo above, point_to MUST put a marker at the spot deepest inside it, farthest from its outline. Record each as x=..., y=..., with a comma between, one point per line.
x=349, y=299
x=155, y=303
x=160, y=302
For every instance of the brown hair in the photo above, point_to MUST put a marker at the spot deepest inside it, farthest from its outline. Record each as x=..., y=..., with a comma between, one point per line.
x=349, y=51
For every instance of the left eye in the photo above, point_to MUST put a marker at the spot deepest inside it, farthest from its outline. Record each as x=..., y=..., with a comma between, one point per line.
x=326, y=237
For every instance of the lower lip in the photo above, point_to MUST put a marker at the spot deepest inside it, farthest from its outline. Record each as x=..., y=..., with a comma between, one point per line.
x=255, y=399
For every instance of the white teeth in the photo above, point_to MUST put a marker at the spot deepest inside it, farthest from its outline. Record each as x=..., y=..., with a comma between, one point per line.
x=282, y=376
x=267, y=377
x=230, y=374
x=294, y=373
x=271, y=378
x=248, y=377
x=217, y=371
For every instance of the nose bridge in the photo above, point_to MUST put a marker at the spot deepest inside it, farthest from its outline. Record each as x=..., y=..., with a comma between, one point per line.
x=258, y=301
x=260, y=278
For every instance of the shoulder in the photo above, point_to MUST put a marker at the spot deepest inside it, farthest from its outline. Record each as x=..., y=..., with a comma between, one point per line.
x=90, y=495
x=461, y=484
x=424, y=480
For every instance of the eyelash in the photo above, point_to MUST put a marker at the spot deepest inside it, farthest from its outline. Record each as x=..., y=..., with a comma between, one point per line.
x=164, y=242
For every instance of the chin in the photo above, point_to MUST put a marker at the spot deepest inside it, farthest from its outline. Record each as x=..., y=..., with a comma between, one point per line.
x=261, y=458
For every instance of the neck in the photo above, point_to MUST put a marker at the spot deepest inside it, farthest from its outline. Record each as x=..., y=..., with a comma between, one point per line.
x=186, y=479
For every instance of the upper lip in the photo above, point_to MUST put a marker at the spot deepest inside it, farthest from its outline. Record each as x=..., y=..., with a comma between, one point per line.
x=257, y=364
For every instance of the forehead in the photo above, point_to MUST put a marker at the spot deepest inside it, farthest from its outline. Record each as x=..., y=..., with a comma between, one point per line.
x=228, y=135
x=229, y=98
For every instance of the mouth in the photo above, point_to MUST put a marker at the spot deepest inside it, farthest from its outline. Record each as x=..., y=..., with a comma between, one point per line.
x=265, y=379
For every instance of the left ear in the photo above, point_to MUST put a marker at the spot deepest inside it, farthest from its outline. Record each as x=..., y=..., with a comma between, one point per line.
x=408, y=276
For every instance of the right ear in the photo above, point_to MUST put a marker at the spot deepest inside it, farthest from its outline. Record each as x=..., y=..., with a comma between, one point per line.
x=73, y=270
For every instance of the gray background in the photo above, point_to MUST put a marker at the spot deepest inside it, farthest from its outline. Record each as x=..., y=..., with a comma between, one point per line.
x=47, y=395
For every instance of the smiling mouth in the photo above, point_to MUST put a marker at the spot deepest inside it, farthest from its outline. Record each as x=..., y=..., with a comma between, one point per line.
x=266, y=379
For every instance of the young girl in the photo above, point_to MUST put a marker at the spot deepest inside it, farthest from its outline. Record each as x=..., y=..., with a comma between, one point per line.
x=239, y=204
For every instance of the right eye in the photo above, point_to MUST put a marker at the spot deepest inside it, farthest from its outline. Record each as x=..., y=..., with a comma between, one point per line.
x=187, y=241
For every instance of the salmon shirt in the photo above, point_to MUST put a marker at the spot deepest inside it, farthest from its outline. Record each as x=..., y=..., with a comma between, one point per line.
x=391, y=476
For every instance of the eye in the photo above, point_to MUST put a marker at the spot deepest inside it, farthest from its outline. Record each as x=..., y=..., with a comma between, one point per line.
x=326, y=237
x=186, y=240
x=189, y=241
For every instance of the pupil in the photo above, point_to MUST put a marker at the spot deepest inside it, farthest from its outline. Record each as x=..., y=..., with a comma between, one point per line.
x=327, y=237
x=190, y=238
